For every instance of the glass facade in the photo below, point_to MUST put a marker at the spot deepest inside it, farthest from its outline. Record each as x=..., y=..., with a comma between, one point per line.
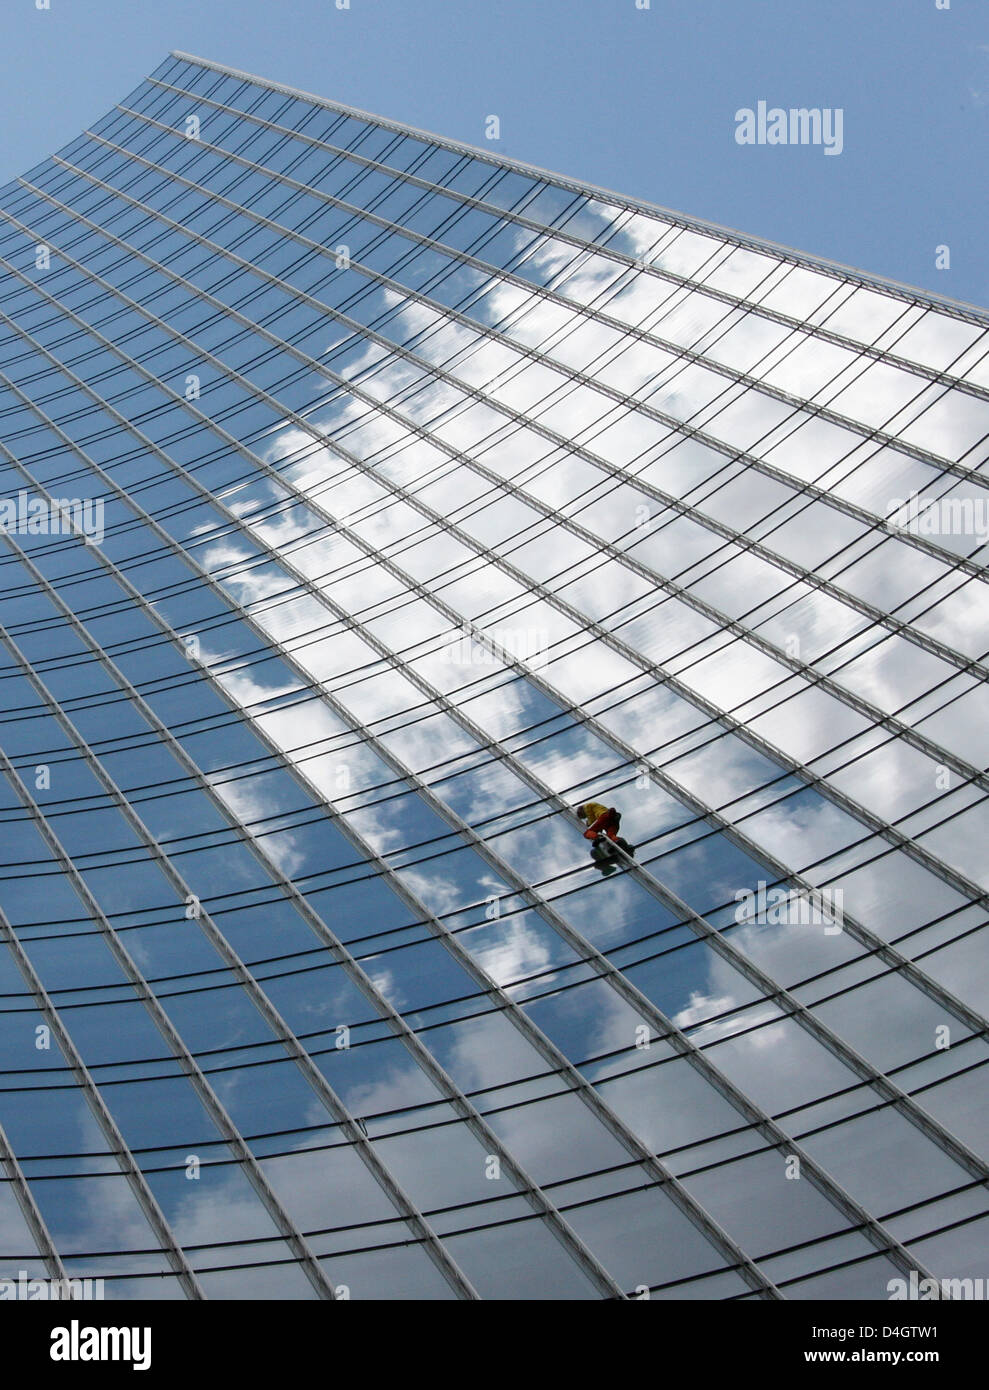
x=371, y=503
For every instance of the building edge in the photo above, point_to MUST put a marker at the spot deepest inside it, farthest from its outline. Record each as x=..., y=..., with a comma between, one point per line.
x=960, y=308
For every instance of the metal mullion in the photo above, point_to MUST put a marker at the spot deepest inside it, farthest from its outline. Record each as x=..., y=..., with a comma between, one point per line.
x=558, y=1062
x=701, y=810
x=677, y=591
x=684, y=431
x=630, y=1140
x=534, y=1035
x=900, y=1100
x=530, y=1190
x=604, y=968
x=118, y=1146
x=282, y=1032
x=734, y=302
x=535, y=354
x=665, y=1027
x=888, y=722
x=917, y=977
x=878, y=1230
x=769, y=987
x=893, y=836
x=854, y=427
x=696, y=1214
x=642, y=408
x=814, y=780
x=864, y=935
x=211, y=1102
x=570, y=238
x=33, y=1218
x=871, y=713
x=526, y=582
x=681, y=351
x=729, y=1250
x=890, y=289
x=668, y=1030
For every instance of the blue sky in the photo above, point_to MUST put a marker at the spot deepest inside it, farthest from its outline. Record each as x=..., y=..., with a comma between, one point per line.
x=639, y=100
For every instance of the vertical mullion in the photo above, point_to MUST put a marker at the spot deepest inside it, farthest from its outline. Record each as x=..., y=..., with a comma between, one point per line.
x=118, y=1145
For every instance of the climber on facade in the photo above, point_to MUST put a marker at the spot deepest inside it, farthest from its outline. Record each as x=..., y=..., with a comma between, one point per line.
x=602, y=822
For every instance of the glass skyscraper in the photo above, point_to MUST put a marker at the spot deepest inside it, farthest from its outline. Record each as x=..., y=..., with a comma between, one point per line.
x=371, y=502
